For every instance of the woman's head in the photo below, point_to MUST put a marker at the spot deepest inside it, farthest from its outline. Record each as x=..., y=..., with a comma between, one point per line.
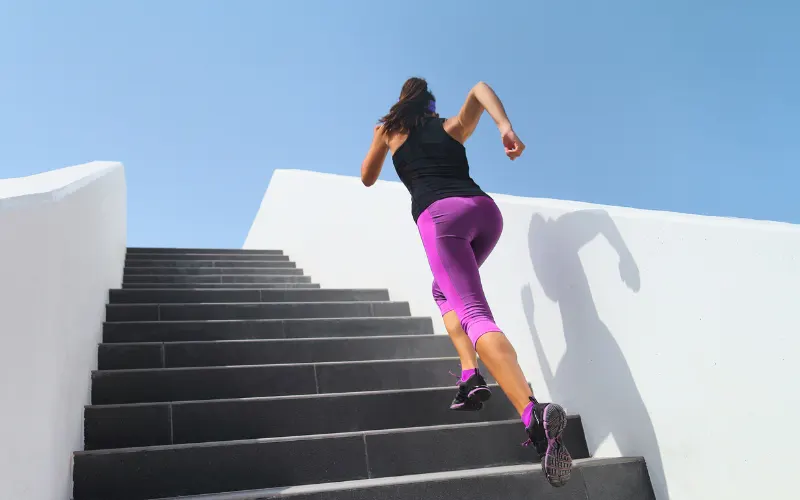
x=415, y=103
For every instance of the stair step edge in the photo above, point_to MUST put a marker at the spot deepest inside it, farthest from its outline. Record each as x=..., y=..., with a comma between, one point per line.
x=334, y=319
x=227, y=304
x=309, y=437
x=287, y=397
x=288, y=492
x=236, y=367
x=442, y=338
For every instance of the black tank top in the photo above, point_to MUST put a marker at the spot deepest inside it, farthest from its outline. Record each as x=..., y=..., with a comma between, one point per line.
x=433, y=166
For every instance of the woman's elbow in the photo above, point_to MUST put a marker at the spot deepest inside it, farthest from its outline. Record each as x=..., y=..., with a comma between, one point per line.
x=366, y=178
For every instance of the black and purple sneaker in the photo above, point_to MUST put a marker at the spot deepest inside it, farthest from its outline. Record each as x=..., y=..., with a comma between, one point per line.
x=547, y=425
x=471, y=394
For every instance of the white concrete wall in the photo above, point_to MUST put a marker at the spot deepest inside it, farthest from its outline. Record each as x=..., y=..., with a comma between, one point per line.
x=62, y=246
x=676, y=337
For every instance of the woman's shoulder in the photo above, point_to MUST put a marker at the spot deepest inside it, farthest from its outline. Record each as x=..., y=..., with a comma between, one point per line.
x=454, y=128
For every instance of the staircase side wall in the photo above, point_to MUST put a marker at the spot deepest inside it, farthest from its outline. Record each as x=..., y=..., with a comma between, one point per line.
x=675, y=336
x=62, y=246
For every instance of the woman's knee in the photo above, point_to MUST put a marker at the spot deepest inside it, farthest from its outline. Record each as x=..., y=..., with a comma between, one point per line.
x=477, y=329
x=495, y=344
x=451, y=322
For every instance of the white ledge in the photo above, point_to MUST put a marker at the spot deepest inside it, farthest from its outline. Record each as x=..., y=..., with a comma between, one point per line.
x=53, y=185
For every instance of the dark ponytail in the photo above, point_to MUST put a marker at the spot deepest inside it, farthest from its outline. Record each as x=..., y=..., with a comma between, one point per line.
x=415, y=104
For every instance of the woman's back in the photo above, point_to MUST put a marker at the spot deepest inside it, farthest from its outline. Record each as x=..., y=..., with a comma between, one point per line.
x=428, y=152
x=433, y=165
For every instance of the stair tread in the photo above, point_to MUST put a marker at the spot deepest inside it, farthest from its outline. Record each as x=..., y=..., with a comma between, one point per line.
x=254, y=289
x=244, y=367
x=216, y=382
x=303, y=339
x=485, y=472
x=235, y=304
x=205, y=257
x=198, y=276
x=266, y=320
x=174, y=470
x=326, y=395
x=237, y=352
x=264, y=328
x=217, y=267
x=308, y=437
x=202, y=287
x=205, y=249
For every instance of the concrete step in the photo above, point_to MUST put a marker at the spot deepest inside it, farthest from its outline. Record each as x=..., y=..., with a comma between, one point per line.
x=203, y=280
x=184, y=257
x=278, y=270
x=127, y=356
x=181, y=331
x=252, y=295
x=267, y=261
x=592, y=479
x=120, y=426
x=217, y=286
x=153, y=385
x=255, y=310
x=176, y=470
x=190, y=251
x=178, y=266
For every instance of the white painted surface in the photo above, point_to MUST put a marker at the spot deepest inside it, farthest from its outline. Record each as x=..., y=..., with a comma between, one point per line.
x=62, y=246
x=676, y=337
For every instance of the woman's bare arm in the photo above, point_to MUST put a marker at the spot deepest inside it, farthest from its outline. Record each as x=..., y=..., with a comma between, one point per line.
x=481, y=98
x=373, y=163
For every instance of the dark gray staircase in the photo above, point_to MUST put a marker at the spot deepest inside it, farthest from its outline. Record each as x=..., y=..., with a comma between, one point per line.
x=228, y=374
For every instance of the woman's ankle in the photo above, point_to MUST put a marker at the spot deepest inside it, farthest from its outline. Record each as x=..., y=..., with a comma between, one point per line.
x=467, y=373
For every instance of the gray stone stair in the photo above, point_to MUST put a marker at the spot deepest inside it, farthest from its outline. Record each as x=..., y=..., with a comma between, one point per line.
x=188, y=253
x=158, y=471
x=265, y=261
x=173, y=331
x=218, y=286
x=230, y=279
x=148, y=296
x=278, y=268
x=255, y=310
x=252, y=418
x=264, y=352
x=594, y=479
x=181, y=384
x=241, y=388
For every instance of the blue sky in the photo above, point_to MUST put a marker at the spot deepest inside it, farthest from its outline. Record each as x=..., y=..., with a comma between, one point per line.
x=683, y=105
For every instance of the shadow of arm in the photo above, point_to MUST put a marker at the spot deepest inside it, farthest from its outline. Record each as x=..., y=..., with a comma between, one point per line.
x=583, y=226
x=528, y=306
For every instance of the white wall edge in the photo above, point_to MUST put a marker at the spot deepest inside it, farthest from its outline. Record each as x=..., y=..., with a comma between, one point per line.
x=567, y=204
x=52, y=185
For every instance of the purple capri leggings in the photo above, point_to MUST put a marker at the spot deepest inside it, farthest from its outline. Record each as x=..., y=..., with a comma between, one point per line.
x=458, y=235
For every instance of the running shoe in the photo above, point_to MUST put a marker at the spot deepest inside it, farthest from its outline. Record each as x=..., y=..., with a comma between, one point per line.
x=547, y=426
x=471, y=394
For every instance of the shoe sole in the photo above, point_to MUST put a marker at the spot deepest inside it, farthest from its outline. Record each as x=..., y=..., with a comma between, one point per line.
x=556, y=462
x=475, y=400
x=481, y=394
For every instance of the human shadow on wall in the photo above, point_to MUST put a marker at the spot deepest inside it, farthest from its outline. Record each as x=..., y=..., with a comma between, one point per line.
x=593, y=375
